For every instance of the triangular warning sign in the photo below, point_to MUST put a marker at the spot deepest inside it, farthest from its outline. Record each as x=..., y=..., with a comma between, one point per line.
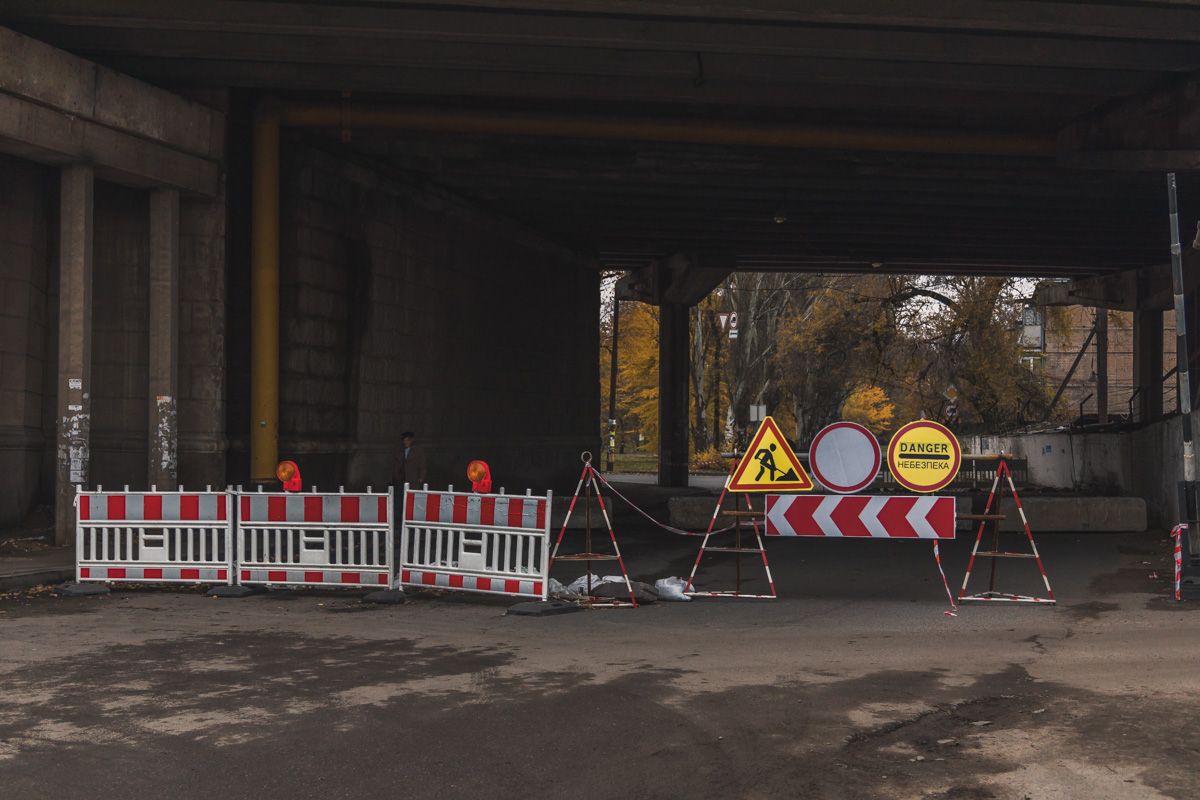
x=769, y=464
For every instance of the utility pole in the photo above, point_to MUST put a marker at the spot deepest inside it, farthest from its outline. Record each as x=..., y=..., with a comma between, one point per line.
x=1188, y=509
x=612, y=381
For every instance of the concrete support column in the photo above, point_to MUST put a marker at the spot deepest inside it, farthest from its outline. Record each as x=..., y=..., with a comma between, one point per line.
x=673, y=394
x=1148, y=364
x=1102, y=365
x=74, y=344
x=163, y=467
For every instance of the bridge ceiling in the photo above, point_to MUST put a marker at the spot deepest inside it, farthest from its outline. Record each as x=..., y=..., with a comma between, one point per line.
x=1024, y=69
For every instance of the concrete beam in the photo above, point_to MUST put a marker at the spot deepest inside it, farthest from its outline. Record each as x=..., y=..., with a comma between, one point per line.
x=1158, y=130
x=1146, y=289
x=683, y=279
x=57, y=108
x=54, y=78
x=51, y=136
x=163, y=369
x=74, y=344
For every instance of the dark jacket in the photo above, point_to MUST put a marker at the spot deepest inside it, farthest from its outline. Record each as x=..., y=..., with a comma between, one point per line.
x=410, y=470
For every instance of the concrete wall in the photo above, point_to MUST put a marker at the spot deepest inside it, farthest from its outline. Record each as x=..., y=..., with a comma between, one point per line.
x=1095, y=463
x=26, y=200
x=1145, y=463
x=407, y=308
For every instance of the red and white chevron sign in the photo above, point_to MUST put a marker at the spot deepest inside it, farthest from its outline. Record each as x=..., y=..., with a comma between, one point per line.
x=861, y=516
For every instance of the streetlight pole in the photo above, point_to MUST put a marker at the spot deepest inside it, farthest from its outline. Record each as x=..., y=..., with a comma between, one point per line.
x=1181, y=374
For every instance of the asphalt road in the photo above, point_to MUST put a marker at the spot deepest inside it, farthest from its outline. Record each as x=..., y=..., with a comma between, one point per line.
x=852, y=685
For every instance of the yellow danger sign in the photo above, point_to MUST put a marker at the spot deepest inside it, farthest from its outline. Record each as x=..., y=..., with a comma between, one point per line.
x=769, y=464
x=924, y=456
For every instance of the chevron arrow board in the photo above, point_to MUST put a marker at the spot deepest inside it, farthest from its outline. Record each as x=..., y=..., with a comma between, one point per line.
x=861, y=516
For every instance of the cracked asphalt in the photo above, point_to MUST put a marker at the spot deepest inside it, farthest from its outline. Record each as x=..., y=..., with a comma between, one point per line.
x=852, y=685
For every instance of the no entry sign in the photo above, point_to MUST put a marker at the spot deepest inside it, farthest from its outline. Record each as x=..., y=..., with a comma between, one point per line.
x=924, y=456
x=844, y=457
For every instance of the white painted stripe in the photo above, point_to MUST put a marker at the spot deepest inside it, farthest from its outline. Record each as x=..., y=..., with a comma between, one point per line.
x=917, y=517
x=777, y=522
x=821, y=516
x=870, y=517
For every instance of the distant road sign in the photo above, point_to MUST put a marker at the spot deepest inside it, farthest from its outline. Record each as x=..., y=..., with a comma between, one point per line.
x=924, y=456
x=845, y=457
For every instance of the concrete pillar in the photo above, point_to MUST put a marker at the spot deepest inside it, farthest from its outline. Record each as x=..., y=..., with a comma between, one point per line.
x=1148, y=364
x=1102, y=365
x=163, y=394
x=673, y=394
x=74, y=343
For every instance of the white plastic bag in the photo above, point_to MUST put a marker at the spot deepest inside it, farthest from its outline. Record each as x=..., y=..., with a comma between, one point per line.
x=671, y=589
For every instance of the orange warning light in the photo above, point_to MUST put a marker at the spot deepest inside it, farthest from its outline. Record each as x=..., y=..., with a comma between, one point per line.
x=289, y=475
x=480, y=476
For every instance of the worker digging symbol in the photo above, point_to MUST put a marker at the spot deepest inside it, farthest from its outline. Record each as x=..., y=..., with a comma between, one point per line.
x=766, y=457
x=769, y=465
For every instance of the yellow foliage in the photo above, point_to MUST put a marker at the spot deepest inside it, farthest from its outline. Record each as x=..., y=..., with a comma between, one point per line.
x=871, y=407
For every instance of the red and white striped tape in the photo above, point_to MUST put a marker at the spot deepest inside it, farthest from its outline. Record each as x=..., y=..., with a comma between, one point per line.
x=366, y=509
x=937, y=558
x=471, y=583
x=152, y=507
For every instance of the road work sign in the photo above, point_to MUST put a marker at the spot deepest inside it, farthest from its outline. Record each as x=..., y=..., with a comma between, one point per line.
x=924, y=456
x=769, y=464
x=844, y=457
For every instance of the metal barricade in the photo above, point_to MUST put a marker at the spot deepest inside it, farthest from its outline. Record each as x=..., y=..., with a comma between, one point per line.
x=491, y=543
x=153, y=537
x=340, y=540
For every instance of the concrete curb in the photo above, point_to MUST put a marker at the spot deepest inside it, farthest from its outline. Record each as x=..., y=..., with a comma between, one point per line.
x=27, y=579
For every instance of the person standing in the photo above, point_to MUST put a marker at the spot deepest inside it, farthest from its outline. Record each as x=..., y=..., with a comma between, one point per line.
x=410, y=463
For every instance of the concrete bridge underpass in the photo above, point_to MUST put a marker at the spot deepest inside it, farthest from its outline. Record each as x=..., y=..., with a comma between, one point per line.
x=237, y=231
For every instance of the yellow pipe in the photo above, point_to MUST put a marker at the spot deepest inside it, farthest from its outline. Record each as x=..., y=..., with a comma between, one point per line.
x=814, y=137
x=264, y=296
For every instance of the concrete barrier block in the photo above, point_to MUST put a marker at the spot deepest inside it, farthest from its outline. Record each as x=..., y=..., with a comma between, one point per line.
x=1067, y=514
x=579, y=516
x=691, y=513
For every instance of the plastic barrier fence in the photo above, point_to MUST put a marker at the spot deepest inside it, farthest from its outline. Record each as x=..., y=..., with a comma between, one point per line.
x=154, y=537
x=492, y=543
x=341, y=540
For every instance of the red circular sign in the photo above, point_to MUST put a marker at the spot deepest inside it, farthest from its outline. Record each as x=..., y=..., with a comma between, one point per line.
x=924, y=456
x=844, y=457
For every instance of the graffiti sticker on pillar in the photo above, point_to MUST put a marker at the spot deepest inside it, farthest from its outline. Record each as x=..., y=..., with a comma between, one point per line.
x=924, y=456
x=769, y=465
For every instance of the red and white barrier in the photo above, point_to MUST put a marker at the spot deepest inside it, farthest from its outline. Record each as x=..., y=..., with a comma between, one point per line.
x=1177, y=534
x=861, y=516
x=490, y=543
x=339, y=540
x=154, y=537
